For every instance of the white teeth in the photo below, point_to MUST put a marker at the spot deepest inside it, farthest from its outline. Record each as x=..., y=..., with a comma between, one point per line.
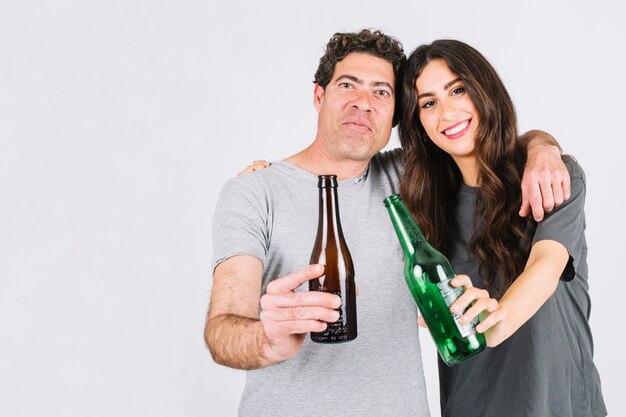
x=456, y=129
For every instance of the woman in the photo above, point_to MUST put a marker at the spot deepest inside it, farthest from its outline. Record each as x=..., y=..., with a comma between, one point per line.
x=464, y=163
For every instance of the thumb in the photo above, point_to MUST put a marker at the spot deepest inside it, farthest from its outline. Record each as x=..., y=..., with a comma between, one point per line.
x=421, y=322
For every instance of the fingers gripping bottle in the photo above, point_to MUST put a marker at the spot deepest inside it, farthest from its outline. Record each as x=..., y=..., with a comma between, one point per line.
x=331, y=250
x=428, y=274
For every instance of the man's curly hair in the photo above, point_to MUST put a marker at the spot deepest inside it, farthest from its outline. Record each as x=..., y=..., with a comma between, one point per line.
x=373, y=43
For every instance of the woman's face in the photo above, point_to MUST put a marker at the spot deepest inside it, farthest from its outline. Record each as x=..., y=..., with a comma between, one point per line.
x=446, y=111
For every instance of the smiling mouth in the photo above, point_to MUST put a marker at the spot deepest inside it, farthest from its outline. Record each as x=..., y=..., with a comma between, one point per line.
x=455, y=130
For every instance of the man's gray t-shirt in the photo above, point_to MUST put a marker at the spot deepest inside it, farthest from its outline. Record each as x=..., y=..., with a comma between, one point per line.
x=272, y=215
x=546, y=368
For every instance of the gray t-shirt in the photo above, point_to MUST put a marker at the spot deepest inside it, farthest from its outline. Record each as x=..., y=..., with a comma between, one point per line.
x=546, y=368
x=272, y=215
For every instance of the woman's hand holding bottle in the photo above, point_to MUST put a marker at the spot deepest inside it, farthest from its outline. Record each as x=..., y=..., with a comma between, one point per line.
x=491, y=313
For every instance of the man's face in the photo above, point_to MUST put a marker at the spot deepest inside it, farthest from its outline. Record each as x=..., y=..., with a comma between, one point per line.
x=356, y=108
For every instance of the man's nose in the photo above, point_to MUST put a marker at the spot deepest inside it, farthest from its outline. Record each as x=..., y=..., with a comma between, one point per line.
x=362, y=101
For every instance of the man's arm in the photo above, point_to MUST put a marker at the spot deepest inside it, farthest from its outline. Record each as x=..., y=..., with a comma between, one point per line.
x=546, y=182
x=536, y=137
x=234, y=334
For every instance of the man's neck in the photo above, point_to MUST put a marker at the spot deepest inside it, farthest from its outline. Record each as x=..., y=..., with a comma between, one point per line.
x=313, y=160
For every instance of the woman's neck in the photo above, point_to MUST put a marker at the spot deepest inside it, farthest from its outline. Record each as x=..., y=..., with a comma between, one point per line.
x=468, y=165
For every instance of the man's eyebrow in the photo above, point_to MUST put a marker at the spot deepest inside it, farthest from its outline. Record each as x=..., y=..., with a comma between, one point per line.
x=360, y=82
x=349, y=77
x=445, y=87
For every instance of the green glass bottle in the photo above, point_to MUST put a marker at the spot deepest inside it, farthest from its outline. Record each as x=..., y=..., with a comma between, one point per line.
x=428, y=274
x=331, y=250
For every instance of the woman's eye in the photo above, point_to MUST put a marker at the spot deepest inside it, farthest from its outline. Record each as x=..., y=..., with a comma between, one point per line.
x=383, y=93
x=458, y=90
x=427, y=104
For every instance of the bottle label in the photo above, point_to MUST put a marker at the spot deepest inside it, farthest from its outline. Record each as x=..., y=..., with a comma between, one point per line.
x=450, y=295
x=337, y=331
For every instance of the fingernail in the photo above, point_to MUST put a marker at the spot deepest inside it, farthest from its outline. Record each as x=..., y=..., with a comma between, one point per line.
x=454, y=309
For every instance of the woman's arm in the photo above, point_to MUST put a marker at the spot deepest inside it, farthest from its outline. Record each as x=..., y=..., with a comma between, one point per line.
x=557, y=240
x=538, y=281
x=535, y=285
x=254, y=166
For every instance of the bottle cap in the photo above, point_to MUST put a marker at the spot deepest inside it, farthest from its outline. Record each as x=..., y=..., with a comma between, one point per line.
x=327, y=181
x=392, y=199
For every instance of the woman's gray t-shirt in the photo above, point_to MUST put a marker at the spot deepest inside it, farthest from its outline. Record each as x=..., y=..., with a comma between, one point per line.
x=546, y=368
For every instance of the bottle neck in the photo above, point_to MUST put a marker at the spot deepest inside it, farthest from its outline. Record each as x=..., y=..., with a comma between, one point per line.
x=410, y=236
x=329, y=224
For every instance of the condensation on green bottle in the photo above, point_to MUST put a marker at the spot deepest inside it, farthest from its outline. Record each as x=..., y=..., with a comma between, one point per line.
x=428, y=274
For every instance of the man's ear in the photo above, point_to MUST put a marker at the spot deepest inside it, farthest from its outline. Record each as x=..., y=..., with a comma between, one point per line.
x=318, y=96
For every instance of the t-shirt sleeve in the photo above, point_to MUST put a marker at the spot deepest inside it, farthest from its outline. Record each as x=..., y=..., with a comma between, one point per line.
x=391, y=163
x=566, y=223
x=240, y=222
x=396, y=158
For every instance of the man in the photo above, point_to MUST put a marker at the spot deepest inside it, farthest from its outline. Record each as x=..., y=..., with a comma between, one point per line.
x=264, y=228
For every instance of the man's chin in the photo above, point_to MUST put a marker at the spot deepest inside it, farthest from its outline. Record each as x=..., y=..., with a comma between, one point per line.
x=362, y=154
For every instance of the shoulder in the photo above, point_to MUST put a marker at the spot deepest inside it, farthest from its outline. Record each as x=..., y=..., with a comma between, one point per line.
x=574, y=168
x=257, y=180
x=392, y=160
x=245, y=184
x=391, y=156
x=247, y=188
x=573, y=207
x=267, y=186
x=578, y=182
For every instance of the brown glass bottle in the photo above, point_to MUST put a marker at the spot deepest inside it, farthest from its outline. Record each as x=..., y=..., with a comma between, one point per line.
x=331, y=250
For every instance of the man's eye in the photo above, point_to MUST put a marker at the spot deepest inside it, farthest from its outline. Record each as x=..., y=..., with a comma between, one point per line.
x=383, y=93
x=345, y=85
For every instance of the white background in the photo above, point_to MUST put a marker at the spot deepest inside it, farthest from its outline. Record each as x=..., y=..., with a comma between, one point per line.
x=121, y=120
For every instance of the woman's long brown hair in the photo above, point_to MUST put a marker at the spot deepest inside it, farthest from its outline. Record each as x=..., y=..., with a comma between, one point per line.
x=432, y=179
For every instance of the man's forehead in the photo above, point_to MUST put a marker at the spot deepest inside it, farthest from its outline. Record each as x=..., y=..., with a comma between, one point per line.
x=366, y=66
